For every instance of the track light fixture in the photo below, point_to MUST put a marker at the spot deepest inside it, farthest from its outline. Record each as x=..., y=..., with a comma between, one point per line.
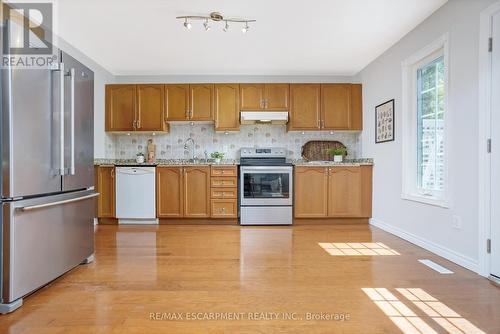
x=215, y=17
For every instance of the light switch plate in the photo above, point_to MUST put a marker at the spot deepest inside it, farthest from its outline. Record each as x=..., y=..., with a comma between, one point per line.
x=457, y=222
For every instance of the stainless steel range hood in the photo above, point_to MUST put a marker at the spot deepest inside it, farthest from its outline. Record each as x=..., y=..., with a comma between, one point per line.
x=264, y=117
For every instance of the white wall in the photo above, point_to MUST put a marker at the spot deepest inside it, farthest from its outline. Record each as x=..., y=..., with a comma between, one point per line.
x=382, y=80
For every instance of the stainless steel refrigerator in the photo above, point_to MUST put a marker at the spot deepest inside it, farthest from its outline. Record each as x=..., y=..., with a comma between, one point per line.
x=47, y=175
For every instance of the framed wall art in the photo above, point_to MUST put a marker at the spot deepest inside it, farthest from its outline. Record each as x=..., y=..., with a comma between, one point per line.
x=384, y=122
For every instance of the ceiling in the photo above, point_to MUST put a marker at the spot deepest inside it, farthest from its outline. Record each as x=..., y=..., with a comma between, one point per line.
x=313, y=37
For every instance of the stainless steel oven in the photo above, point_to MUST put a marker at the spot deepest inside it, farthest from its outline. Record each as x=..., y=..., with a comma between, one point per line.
x=266, y=187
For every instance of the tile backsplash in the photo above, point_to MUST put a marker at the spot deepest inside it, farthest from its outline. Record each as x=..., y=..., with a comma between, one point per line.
x=171, y=145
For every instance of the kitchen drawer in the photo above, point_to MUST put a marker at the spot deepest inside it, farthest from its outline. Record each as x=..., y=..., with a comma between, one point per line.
x=224, y=193
x=224, y=182
x=224, y=171
x=224, y=208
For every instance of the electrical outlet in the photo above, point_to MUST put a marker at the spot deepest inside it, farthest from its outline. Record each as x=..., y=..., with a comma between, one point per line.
x=457, y=222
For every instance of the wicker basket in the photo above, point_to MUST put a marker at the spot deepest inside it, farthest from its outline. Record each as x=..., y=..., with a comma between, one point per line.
x=316, y=150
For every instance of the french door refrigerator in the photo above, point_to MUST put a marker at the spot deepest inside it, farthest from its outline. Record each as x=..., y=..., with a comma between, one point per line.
x=47, y=175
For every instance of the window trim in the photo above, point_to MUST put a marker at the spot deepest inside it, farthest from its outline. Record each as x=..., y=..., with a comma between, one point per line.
x=409, y=126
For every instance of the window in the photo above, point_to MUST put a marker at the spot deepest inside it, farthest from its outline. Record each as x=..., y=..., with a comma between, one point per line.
x=430, y=126
x=424, y=125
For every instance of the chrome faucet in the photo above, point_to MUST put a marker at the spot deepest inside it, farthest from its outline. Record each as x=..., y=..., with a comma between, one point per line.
x=192, y=146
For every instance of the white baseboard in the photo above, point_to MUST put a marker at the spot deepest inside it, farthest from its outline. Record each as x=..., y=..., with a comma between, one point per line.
x=447, y=253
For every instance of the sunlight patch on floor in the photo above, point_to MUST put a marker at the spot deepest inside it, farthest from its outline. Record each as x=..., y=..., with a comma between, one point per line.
x=409, y=322
x=357, y=249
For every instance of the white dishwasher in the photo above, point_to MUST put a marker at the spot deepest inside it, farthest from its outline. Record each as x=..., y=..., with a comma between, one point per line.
x=136, y=195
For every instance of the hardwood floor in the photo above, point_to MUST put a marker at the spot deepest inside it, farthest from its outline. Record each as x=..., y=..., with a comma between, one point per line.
x=146, y=272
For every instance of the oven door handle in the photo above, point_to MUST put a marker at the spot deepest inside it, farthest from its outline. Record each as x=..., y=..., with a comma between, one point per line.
x=260, y=169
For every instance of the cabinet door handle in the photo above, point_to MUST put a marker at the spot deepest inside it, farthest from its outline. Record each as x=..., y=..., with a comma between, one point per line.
x=138, y=123
x=112, y=173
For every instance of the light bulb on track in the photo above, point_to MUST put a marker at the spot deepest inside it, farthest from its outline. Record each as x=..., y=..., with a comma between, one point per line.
x=245, y=28
x=206, y=25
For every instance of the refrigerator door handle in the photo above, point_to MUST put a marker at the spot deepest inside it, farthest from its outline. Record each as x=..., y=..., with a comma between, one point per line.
x=71, y=74
x=60, y=73
x=45, y=205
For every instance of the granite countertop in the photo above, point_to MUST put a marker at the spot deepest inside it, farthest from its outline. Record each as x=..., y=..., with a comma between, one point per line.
x=163, y=162
x=346, y=162
x=185, y=162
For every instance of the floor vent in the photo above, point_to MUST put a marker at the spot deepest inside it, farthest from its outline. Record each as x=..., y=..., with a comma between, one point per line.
x=434, y=266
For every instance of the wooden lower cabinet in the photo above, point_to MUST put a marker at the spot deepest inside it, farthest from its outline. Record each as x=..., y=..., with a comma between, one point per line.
x=224, y=192
x=105, y=186
x=344, y=192
x=169, y=192
x=183, y=192
x=224, y=208
x=196, y=193
x=311, y=192
x=224, y=182
x=333, y=192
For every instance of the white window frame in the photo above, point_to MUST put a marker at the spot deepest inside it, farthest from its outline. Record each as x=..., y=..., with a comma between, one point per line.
x=409, y=109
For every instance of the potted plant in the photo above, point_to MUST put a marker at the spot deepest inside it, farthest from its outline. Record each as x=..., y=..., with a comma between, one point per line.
x=338, y=153
x=217, y=156
x=139, y=158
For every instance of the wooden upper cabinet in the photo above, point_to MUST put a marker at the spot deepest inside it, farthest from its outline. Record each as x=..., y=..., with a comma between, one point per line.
x=251, y=96
x=272, y=97
x=311, y=192
x=356, y=107
x=105, y=176
x=336, y=106
x=169, y=192
x=120, y=107
x=226, y=105
x=135, y=108
x=304, y=107
x=201, y=102
x=196, y=192
x=176, y=102
x=344, y=192
x=150, y=108
x=276, y=97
